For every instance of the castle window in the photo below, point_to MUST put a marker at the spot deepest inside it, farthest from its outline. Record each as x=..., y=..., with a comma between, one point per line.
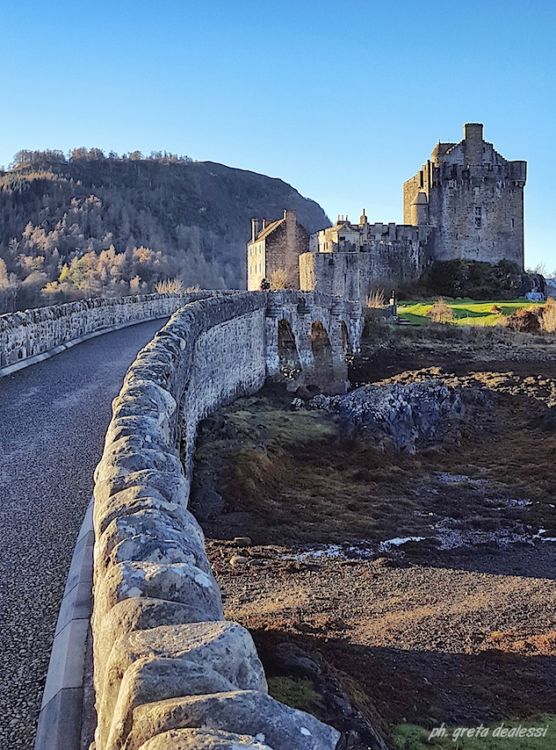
x=513, y=223
x=478, y=216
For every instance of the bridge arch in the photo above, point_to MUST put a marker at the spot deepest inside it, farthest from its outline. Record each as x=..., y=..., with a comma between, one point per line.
x=289, y=362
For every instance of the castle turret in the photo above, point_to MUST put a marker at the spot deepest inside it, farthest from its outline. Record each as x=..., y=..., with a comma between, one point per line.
x=420, y=210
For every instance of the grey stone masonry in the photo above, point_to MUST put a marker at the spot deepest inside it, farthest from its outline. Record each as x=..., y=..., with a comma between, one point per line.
x=471, y=198
x=167, y=665
x=34, y=332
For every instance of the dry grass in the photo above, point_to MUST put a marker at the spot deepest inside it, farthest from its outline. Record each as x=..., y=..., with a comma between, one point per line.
x=169, y=286
x=279, y=279
x=548, y=322
x=376, y=298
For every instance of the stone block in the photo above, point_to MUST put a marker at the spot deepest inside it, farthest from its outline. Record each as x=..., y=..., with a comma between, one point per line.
x=203, y=739
x=177, y=582
x=248, y=712
x=224, y=648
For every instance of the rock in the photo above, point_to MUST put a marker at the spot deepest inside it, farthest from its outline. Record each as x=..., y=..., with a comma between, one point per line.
x=236, y=561
x=294, y=658
x=144, y=398
x=156, y=678
x=410, y=415
x=208, y=503
x=138, y=425
x=242, y=541
x=134, y=500
x=243, y=711
x=129, y=455
x=203, y=739
x=174, y=488
x=223, y=647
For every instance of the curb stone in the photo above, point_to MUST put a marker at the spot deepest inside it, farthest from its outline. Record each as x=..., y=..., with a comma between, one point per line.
x=60, y=718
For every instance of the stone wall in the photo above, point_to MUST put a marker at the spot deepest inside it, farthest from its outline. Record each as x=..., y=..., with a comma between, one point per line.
x=170, y=671
x=354, y=275
x=26, y=334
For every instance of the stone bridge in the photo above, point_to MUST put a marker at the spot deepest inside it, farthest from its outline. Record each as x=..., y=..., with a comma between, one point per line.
x=167, y=665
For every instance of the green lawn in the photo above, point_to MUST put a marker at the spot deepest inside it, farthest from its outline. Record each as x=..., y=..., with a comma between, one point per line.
x=467, y=312
x=412, y=737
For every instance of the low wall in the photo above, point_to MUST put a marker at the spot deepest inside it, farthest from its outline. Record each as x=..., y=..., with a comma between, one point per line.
x=31, y=332
x=169, y=670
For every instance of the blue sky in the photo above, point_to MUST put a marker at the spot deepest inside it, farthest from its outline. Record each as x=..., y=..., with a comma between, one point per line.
x=343, y=100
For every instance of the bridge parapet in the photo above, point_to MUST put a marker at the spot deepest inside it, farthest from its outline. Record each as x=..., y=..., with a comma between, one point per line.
x=29, y=333
x=164, y=656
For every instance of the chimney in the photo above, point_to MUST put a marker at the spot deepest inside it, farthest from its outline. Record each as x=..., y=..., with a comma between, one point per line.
x=290, y=216
x=473, y=142
x=254, y=229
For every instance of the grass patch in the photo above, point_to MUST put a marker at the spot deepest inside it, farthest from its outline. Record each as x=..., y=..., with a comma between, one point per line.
x=296, y=692
x=467, y=312
x=414, y=737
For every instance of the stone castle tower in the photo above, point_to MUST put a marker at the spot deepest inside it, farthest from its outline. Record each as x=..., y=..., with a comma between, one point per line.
x=472, y=199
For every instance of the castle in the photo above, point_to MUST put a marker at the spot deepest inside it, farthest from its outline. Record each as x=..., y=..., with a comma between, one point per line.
x=466, y=203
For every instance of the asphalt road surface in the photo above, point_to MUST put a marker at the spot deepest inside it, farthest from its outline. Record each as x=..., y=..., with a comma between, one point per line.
x=53, y=417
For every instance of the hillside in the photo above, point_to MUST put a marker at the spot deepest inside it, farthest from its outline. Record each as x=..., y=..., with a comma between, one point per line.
x=91, y=224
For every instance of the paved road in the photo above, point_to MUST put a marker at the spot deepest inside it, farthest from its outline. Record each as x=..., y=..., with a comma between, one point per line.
x=53, y=417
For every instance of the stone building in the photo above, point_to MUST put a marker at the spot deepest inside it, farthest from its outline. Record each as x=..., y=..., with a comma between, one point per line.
x=350, y=260
x=274, y=248
x=465, y=203
x=472, y=199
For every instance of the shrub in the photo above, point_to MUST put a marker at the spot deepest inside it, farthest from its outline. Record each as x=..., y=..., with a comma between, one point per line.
x=441, y=312
x=475, y=279
x=376, y=298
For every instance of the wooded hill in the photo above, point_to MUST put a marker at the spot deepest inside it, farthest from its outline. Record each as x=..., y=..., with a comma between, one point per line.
x=93, y=224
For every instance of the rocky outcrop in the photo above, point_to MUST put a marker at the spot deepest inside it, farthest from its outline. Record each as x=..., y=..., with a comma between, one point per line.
x=169, y=671
x=405, y=416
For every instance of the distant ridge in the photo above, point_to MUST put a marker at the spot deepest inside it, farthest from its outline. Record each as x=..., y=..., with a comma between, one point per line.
x=194, y=216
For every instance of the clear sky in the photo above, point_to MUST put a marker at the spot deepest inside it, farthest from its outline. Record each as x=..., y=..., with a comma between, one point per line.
x=344, y=100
